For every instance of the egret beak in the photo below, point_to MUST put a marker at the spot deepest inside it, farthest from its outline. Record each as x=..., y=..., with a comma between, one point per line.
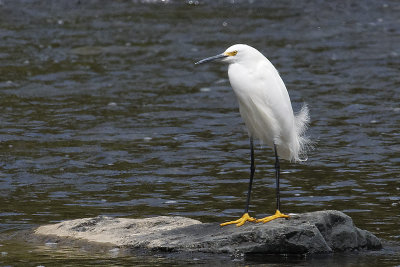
x=223, y=55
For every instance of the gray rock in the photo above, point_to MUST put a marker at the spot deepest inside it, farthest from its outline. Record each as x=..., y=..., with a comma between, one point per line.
x=308, y=233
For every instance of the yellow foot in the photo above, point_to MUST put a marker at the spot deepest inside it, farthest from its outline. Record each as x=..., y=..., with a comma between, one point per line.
x=241, y=221
x=277, y=215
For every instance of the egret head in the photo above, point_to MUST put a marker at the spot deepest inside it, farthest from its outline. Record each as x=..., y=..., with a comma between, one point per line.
x=232, y=54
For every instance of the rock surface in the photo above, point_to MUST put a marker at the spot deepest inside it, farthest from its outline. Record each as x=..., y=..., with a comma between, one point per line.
x=308, y=233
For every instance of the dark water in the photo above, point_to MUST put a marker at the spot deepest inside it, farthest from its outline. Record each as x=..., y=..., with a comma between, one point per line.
x=102, y=111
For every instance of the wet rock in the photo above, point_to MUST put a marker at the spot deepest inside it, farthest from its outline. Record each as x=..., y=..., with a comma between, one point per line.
x=308, y=233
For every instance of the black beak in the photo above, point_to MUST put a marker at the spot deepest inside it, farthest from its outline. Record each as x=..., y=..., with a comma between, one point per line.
x=211, y=59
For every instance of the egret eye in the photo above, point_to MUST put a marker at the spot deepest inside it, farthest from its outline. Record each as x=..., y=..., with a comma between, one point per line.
x=231, y=53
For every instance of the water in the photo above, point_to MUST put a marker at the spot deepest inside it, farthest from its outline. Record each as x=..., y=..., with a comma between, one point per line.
x=103, y=111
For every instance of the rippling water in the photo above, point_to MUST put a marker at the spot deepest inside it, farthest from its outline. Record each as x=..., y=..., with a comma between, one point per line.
x=103, y=111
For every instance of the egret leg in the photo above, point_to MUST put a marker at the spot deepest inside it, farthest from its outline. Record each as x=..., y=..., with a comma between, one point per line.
x=246, y=216
x=277, y=176
x=252, y=170
x=277, y=214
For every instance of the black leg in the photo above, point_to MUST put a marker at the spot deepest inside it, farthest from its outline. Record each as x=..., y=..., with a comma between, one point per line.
x=252, y=169
x=277, y=173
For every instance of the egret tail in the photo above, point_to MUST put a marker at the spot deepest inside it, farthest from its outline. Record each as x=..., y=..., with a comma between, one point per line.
x=303, y=143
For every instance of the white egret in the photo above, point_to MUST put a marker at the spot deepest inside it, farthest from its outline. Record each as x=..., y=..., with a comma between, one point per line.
x=265, y=107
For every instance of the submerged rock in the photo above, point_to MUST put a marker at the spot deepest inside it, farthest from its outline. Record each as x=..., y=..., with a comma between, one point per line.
x=308, y=233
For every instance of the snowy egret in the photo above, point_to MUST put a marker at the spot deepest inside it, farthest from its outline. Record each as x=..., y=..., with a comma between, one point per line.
x=265, y=107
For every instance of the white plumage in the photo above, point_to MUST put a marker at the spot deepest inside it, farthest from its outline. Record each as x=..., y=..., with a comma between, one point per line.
x=264, y=103
x=266, y=109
